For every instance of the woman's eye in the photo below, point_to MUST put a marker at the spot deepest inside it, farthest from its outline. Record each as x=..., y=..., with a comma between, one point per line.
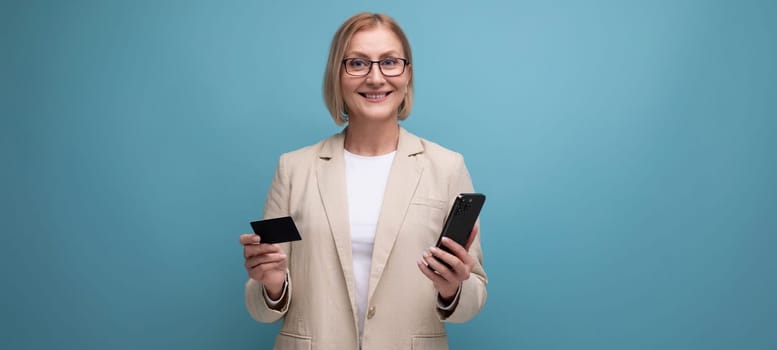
x=358, y=63
x=389, y=62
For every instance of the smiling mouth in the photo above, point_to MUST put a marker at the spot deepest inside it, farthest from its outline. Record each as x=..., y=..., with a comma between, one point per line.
x=373, y=96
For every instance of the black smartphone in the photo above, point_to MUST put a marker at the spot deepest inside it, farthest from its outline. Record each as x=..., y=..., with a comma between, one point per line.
x=461, y=220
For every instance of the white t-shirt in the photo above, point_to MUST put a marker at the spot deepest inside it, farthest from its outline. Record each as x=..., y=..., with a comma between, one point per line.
x=366, y=179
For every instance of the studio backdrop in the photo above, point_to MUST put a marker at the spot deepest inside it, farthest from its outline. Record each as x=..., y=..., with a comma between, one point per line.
x=627, y=149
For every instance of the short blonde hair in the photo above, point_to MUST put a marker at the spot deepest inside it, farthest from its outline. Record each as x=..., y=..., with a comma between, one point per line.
x=333, y=96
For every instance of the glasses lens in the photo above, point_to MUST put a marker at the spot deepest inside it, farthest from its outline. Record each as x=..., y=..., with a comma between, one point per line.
x=392, y=66
x=357, y=66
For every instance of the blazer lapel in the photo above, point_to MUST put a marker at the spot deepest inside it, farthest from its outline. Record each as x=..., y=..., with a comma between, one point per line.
x=403, y=179
x=332, y=188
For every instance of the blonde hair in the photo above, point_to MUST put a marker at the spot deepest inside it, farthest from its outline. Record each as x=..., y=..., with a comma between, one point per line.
x=333, y=96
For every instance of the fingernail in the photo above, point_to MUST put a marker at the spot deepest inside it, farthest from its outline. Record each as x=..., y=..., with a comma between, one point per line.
x=257, y=239
x=433, y=250
x=446, y=239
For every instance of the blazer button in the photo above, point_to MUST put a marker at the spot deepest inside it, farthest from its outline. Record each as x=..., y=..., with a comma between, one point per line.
x=371, y=312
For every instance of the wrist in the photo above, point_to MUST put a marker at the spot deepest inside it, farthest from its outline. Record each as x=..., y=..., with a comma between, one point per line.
x=448, y=295
x=274, y=289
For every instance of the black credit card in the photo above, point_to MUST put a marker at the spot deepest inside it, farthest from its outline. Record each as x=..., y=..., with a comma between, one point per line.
x=276, y=230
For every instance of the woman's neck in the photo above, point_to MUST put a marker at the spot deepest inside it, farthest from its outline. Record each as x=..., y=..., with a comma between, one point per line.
x=372, y=138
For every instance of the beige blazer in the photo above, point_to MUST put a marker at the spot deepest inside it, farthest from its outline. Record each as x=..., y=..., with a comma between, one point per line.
x=320, y=312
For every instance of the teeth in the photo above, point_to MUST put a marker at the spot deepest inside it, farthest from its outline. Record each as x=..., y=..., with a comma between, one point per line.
x=372, y=96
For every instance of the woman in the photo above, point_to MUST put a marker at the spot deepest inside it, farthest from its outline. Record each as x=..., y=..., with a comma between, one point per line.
x=369, y=203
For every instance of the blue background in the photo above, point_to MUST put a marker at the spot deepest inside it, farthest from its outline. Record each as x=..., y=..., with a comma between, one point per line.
x=627, y=149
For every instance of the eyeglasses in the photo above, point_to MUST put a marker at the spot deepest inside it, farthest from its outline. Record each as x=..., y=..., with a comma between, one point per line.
x=389, y=66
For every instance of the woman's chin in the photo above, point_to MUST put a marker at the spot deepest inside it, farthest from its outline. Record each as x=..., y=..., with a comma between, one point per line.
x=376, y=115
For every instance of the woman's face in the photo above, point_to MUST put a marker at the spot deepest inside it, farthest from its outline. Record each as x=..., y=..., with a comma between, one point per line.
x=374, y=96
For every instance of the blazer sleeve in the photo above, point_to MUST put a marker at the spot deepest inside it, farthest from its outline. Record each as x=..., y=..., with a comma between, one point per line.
x=276, y=205
x=473, y=290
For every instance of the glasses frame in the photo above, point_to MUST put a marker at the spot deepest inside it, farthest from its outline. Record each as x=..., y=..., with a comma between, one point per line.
x=369, y=70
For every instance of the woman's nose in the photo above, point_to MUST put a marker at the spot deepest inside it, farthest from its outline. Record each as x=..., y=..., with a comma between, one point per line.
x=375, y=75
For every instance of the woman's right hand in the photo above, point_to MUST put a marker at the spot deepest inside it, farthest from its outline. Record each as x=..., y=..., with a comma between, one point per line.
x=266, y=263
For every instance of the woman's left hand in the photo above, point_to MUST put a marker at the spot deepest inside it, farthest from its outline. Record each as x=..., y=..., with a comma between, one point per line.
x=447, y=279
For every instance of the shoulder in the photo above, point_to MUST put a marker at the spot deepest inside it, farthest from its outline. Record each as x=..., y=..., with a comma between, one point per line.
x=444, y=169
x=436, y=153
x=305, y=155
